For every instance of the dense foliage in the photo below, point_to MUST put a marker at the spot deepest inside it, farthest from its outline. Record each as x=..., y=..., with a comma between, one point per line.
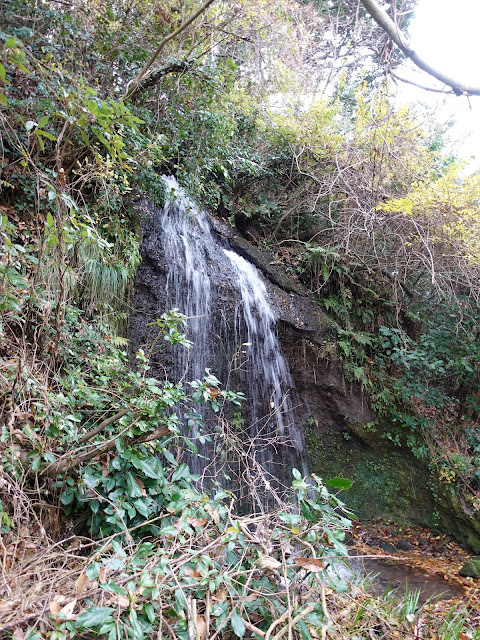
x=358, y=200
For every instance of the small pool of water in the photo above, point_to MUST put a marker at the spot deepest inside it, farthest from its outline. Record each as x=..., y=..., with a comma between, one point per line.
x=388, y=575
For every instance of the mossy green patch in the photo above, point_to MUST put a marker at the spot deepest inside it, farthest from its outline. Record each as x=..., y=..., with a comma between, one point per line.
x=387, y=483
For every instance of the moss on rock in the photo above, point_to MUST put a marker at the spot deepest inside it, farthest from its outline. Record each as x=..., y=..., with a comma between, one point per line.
x=471, y=569
x=387, y=483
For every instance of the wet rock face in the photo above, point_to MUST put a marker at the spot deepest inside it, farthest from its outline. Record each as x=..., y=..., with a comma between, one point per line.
x=265, y=263
x=232, y=312
x=320, y=387
x=341, y=432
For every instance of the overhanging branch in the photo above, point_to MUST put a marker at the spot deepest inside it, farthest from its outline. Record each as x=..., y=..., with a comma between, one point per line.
x=382, y=18
x=133, y=87
x=177, y=66
x=445, y=92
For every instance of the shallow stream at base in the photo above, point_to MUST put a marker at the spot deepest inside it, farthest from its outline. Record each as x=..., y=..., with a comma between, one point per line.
x=389, y=575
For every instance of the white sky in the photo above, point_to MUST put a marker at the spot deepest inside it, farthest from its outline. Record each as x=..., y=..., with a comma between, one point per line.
x=446, y=34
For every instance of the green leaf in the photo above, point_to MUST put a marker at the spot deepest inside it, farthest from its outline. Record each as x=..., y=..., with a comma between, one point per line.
x=308, y=514
x=35, y=466
x=110, y=585
x=141, y=505
x=339, y=483
x=180, y=600
x=67, y=496
x=3, y=99
x=290, y=518
x=43, y=121
x=191, y=445
x=69, y=201
x=150, y=611
x=182, y=472
x=219, y=609
x=116, y=564
x=94, y=617
x=8, y=303
x=151, y=467
x=45, y=134
x=299, y=484
x=169, y=456
x=2, y=72
x=325, y=272
x=304, y=632
x=105, y=628
x=339, y=585
x=93, y=571
x=238, y=624
x=138, y=633
x=92, y=106
x=133, y=490
x=16, y=279
x=168, y=530
x=85, y=138
x=316, y=617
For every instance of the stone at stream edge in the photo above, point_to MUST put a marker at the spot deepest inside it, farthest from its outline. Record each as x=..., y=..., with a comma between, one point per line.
x=388, y=547
x=404, y=545
x=471, y=568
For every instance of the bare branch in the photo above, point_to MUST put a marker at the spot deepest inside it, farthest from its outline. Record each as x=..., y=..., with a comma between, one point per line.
x=419, y=86
x=64, y=464
x=382, y=18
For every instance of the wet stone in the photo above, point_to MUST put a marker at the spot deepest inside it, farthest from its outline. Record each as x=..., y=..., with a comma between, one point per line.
x=471, y=568
x=403, y=545
x=388, y=547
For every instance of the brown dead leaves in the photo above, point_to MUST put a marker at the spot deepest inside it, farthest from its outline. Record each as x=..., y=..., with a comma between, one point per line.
x=82, y=583
x=60, y=613
x=310, y=564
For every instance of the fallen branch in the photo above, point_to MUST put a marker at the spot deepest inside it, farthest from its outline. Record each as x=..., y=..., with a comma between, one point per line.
x=105, y=423
x=64, y=464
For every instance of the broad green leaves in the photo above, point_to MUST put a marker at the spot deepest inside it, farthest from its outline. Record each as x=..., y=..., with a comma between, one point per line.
x=238, y=624
x=339, y=483
x=94, y=617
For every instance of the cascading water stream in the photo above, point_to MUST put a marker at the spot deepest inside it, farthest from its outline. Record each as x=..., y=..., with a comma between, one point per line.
x=187, y=241
x=269, y=375
x=199, y=268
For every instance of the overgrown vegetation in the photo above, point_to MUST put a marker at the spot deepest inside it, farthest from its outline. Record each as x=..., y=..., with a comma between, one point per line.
x=103, y=531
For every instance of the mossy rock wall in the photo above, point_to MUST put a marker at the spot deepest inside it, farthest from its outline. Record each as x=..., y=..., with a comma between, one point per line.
x=388, y=483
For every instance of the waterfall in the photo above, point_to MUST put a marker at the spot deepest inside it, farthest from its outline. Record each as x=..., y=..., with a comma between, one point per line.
x=267, y=365
x=232, y=326
x=187, y=244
